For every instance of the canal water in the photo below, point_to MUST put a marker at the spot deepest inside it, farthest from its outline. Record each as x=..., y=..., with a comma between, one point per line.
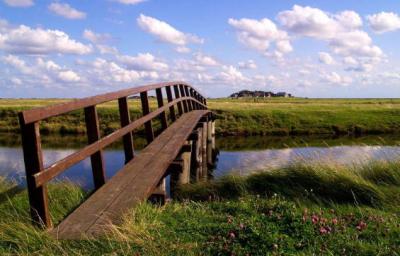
x=240, y=155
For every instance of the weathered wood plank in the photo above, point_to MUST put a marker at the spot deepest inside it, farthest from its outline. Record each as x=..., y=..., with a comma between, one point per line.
x=133, y=184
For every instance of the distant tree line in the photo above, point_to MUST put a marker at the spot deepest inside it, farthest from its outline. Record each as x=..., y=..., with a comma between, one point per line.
x=259, y=94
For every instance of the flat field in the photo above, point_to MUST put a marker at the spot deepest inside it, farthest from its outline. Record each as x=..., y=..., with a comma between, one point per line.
x=247, y=116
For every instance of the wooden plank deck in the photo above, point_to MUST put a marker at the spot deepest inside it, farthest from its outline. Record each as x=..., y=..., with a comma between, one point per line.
x=134, y=183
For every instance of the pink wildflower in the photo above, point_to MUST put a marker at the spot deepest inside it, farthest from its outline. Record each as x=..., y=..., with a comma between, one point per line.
x=323, y=230
x=361, y=226
x=314, y=219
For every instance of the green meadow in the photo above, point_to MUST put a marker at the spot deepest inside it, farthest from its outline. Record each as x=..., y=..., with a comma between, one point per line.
x=251, y=116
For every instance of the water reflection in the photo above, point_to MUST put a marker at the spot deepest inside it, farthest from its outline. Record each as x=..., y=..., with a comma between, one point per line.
x=245, y=162
x=243, y=154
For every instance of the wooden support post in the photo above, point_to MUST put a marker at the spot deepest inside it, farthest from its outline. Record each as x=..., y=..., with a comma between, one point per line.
x=210, y=159
x=172, y=108
x=185, y=104
x=177, y=96
x=163, y=116
x=125, y=120
x=213, y=134
x=93, y=135
x=34, y=164
x=146, y=110
x=194, y=157
x=180, y=174
x=184, y=176
x=159, y=194
x=204, y=161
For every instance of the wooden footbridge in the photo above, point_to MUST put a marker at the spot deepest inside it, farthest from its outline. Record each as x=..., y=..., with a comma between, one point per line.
x=182, y=148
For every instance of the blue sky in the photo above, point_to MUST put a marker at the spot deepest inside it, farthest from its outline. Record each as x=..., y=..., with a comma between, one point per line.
x=308, y=48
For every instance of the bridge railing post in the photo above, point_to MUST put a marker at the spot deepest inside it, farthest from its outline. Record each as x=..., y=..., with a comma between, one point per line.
x=193, y=95
x=183, y=94
x=93, y=135
x=33, y=158
x=125, y=120
x=189, y=102
x=177, y=96
x=196, y=95
x=160, y=102
x=146, y=110
x=170, y=99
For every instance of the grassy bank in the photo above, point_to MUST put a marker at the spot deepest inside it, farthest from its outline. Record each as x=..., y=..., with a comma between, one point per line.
x=243, y=116
x=302, y=210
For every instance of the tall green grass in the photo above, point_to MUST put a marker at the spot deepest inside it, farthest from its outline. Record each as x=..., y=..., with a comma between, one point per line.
x=299, y=210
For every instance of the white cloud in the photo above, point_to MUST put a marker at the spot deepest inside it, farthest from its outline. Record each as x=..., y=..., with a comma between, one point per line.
x=325, y=58
x=165, y=32
x=260, y=34
x=143, y=61
x=41, y=70
x=96, y=37
x=17, y=63
x=130, y=2
x=313, y=22
x=350, y=61
x=26, y=40
x=66, y=11
x=384, y=22
x=230, y=75
x=19, y=3
x=342, y=32
x=250, y=64
x=205, y=60
x=116, y=73
x=336, y=79
x=16, y=81
x=182, y=49
x=68, y=76
x=105, y=49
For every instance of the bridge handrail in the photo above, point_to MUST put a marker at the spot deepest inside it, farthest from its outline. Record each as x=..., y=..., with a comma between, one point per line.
x=38, y=114
x=186, y=99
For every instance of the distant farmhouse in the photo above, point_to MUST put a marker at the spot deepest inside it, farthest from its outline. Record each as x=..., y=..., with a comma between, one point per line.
x=259, y=94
